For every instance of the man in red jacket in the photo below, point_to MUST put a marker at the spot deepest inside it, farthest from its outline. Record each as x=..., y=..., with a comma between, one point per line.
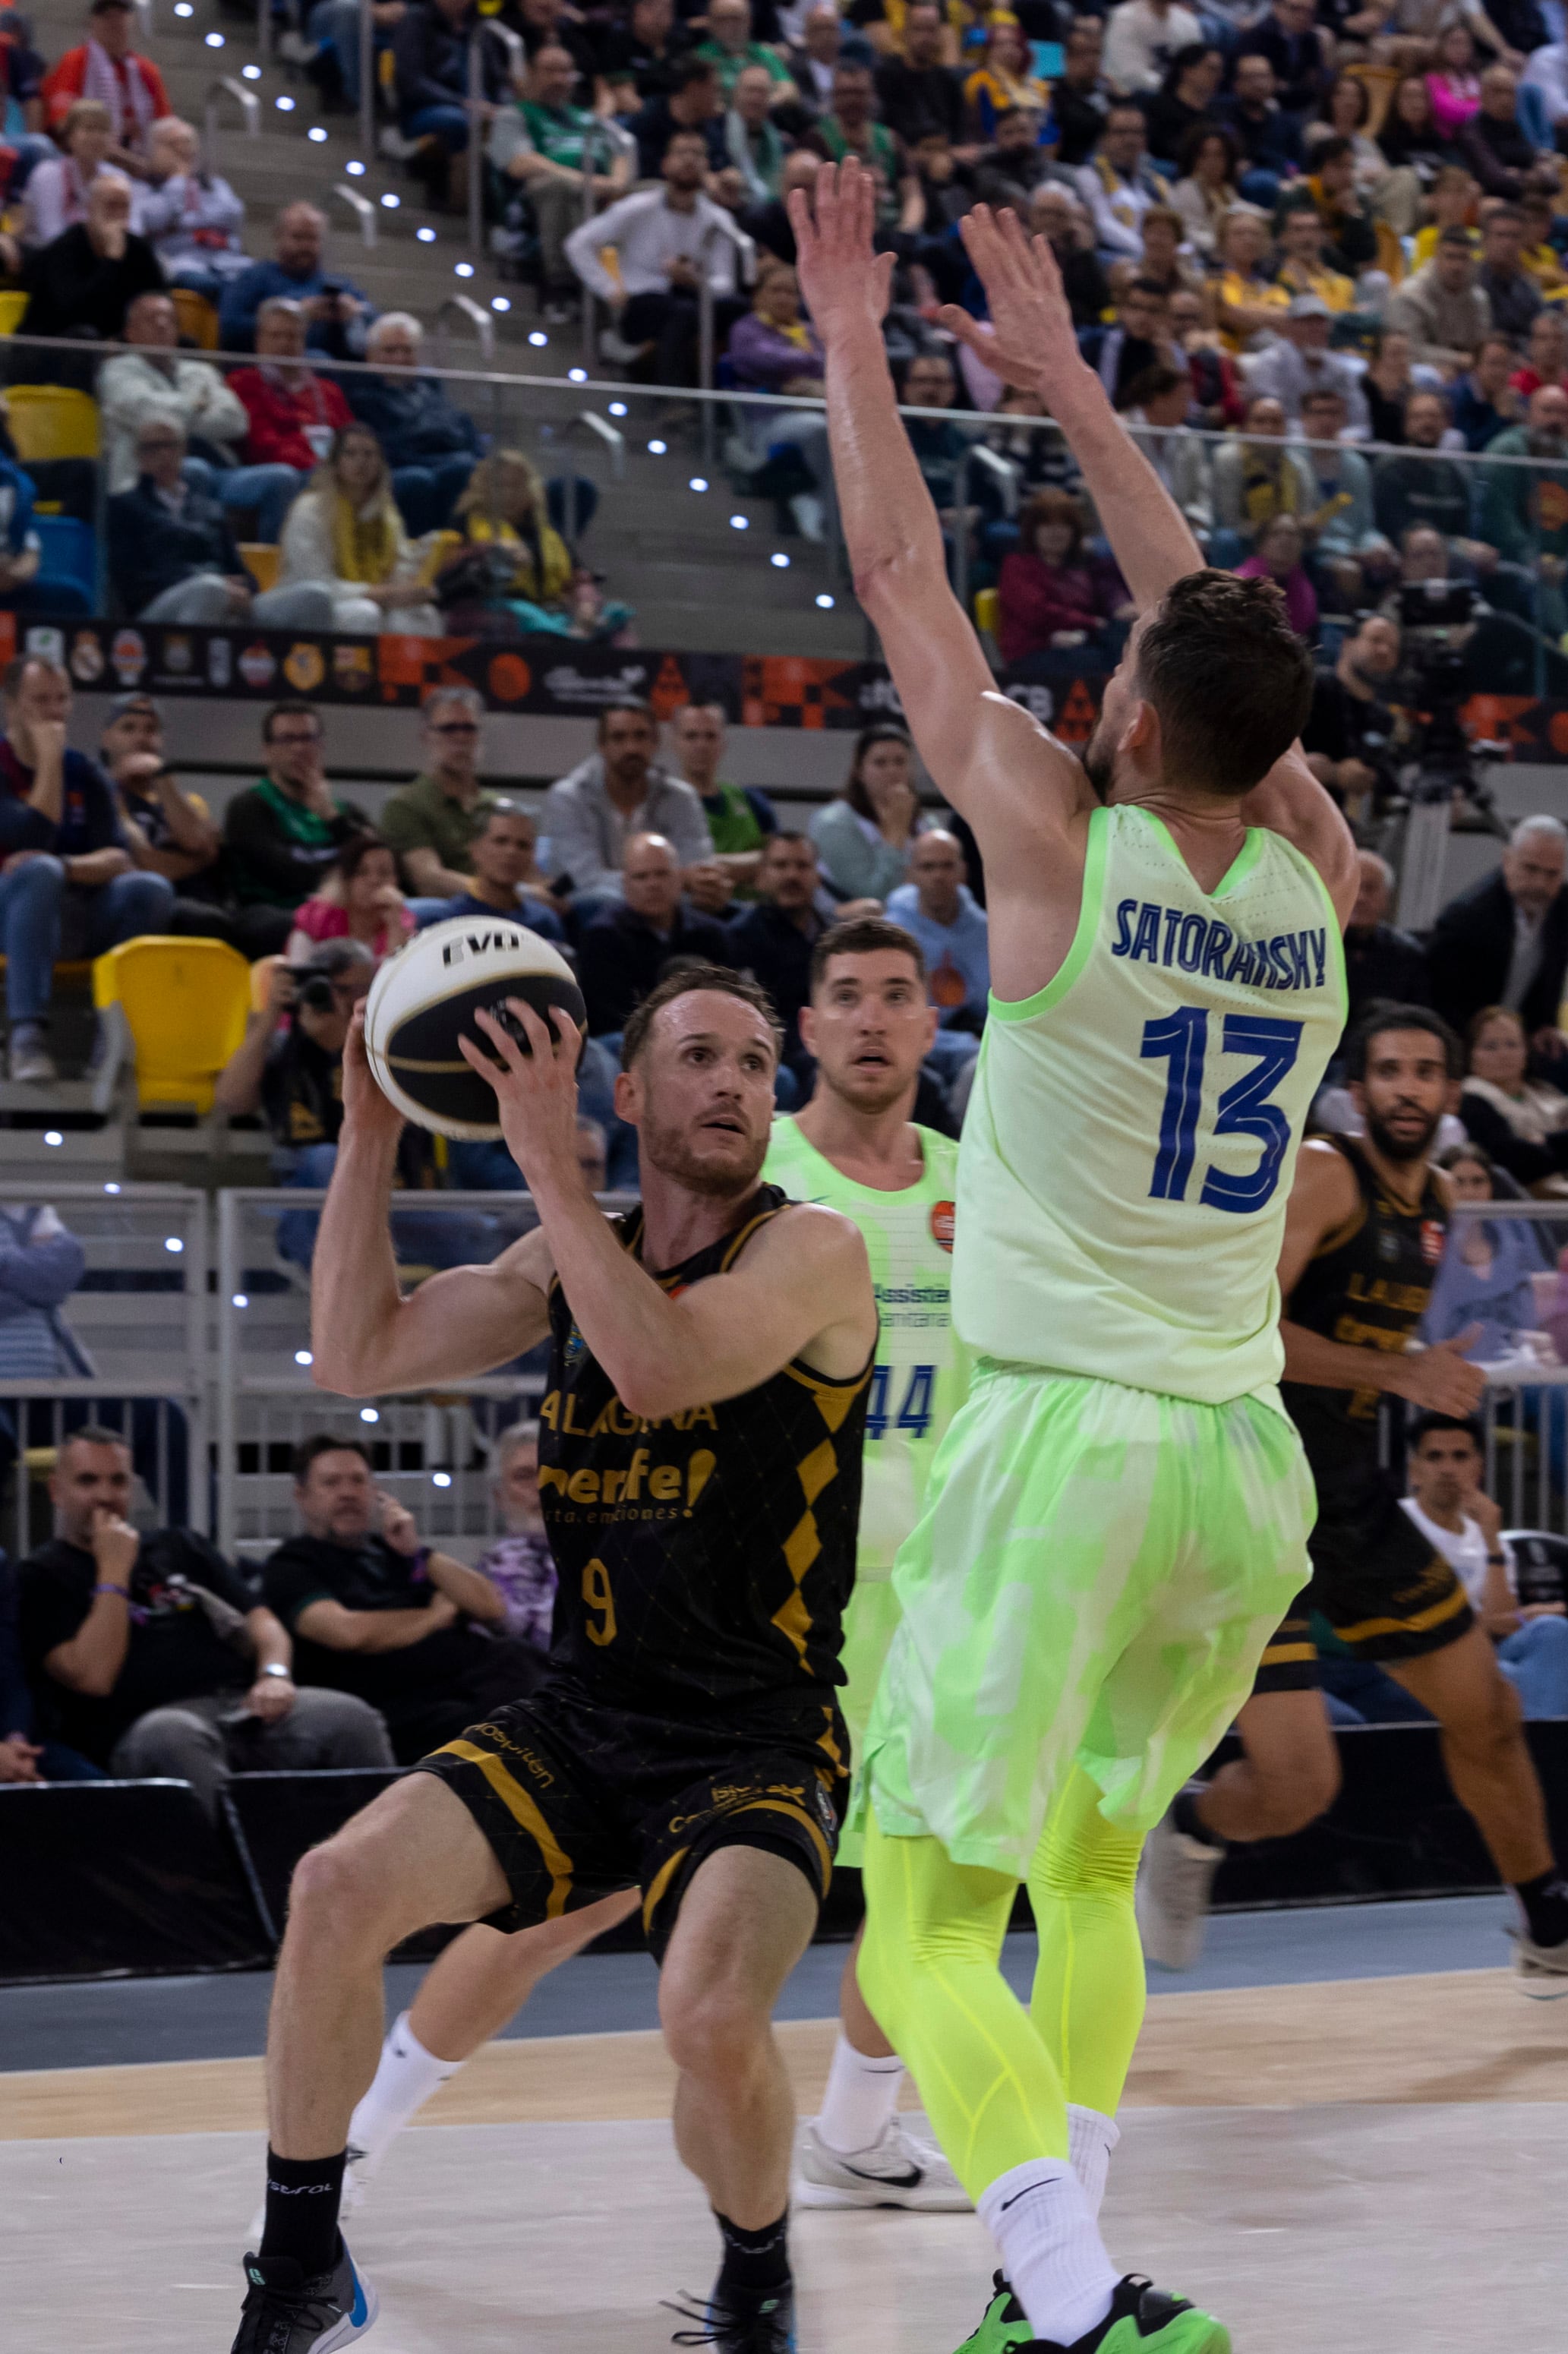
x=293, y=411
x=106, y=68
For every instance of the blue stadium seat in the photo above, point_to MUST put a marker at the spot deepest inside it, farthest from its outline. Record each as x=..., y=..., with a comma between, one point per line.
x=70, y=552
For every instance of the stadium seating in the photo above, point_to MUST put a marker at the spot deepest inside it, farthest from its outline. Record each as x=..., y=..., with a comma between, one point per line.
x=184, y=1003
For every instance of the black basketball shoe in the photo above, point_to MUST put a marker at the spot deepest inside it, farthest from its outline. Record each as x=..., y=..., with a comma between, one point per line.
x=285, y=2313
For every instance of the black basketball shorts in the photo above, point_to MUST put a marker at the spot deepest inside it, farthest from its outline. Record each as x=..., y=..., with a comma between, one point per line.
x=1375, y=1579
x=579, y=1798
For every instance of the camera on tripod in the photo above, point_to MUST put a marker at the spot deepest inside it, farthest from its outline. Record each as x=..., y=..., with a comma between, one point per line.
x=1431, y=615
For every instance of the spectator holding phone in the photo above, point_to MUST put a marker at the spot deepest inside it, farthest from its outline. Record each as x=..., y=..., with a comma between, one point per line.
x=337, y=313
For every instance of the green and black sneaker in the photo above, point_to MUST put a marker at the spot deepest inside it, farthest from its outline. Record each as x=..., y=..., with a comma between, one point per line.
x=1004, y=2326
x=1142, y=2320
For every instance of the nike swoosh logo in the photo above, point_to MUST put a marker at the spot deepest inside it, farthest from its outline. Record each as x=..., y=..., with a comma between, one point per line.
x=1018, y=2195
x=907, y=2180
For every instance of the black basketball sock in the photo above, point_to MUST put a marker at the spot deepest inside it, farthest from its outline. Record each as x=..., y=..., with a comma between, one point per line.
x=756, y=2263
x=1189, y=1823
x=302, y=2199
x=1545, y=1903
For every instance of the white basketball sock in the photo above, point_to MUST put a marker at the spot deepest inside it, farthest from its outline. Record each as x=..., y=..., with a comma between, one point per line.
x=405, y=2080
x=861, y=2098
x=1091, y=2138
x=1050, y=2248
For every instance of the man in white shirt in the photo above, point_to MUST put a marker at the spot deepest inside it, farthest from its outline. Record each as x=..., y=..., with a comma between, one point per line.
x=1142, y=38
x=1448, y=1505
x=1547, y=73
x=1118, y=183
x=1300, y=362
x=667, y=240
x=155, y=380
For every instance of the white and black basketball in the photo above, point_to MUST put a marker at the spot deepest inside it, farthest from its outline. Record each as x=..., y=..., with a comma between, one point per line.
x=425, y=998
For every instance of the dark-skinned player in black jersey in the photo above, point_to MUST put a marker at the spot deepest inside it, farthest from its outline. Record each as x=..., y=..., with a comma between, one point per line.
x=1363, y=1237
x=700, y=1474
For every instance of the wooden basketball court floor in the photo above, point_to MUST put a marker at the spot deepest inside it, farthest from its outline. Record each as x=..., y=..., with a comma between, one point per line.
x=1376, y=2164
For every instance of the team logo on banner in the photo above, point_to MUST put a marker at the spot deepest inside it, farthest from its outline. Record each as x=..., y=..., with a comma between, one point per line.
x=179, y=655
x=86, y=658
x=351, y=668
x=509, y=678
x=129, y=655
x=219, y=662
x=47, y=643
x=257, y=667
x=304, y=668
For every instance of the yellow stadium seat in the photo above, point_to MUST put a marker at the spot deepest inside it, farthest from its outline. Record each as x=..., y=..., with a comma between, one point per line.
x=262, y=557
x=52, y=420
x=197, y=315
x=185, y=1004
x=13, y=307
x=986, y=611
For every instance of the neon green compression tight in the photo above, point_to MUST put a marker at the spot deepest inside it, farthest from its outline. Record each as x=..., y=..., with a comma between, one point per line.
x=995, y=2078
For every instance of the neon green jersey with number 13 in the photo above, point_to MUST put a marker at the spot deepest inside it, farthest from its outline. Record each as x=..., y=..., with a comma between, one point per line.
x=1133, y=1126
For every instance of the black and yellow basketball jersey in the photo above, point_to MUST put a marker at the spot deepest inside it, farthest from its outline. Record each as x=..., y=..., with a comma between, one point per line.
x=709, y=1554
x=1369, y=1287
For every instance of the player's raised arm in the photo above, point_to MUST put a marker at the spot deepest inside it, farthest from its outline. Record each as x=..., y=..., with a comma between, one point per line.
x=1032, y=344
x=891, y=530
x=366, y=1337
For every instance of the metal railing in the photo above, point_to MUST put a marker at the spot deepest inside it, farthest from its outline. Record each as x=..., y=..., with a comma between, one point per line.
x=433, y=1449
x=250, y=106
x=138, y=1323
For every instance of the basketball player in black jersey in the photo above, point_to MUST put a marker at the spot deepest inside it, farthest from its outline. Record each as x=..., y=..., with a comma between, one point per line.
x=700, y=1476
x=1363, y=1237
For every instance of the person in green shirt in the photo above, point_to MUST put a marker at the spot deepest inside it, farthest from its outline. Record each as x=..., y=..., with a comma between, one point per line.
x=431, y=823
x=729, y=49
x=281, y=836
x=547, y=145
x=740, y=818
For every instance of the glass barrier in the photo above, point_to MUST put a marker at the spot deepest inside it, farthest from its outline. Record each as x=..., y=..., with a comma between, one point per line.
x=1504, y=1277
x=606, y=514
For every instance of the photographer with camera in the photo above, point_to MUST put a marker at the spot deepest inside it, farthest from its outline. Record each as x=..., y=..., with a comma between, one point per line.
x=289, y=1067
x=1353, y=734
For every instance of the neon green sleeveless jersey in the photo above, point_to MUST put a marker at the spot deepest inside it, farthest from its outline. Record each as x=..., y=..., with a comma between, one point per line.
x=922, y=1372
x=1133, y=1126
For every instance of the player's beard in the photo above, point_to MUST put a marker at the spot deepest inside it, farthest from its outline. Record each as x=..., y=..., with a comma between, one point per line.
x=868, y=1094
x=1099, y=761
x=670, y=1151
x=1399, y=1148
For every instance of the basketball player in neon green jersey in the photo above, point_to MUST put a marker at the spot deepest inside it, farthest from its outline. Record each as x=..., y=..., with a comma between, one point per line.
x=855, y=1148
x=1116, y=1520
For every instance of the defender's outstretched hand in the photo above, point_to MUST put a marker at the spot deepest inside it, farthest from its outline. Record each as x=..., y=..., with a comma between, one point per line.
x=1030, y=337
x=844, y=283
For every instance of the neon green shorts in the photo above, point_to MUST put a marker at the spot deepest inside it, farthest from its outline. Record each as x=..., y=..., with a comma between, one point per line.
x=1094, y=1578
x=870, y=1624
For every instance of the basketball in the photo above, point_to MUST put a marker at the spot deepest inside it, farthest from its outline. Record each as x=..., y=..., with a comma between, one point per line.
x=424, y=999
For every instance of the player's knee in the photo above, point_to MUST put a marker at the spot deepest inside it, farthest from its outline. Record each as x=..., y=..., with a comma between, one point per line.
x=337, y=1896
x=712, y=2028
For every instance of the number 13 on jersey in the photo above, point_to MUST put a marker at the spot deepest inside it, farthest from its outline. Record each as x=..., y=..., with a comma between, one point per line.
x=1181, y=1039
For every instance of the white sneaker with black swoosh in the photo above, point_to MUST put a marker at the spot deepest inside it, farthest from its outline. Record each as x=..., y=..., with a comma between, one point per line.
x=897, y=2172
